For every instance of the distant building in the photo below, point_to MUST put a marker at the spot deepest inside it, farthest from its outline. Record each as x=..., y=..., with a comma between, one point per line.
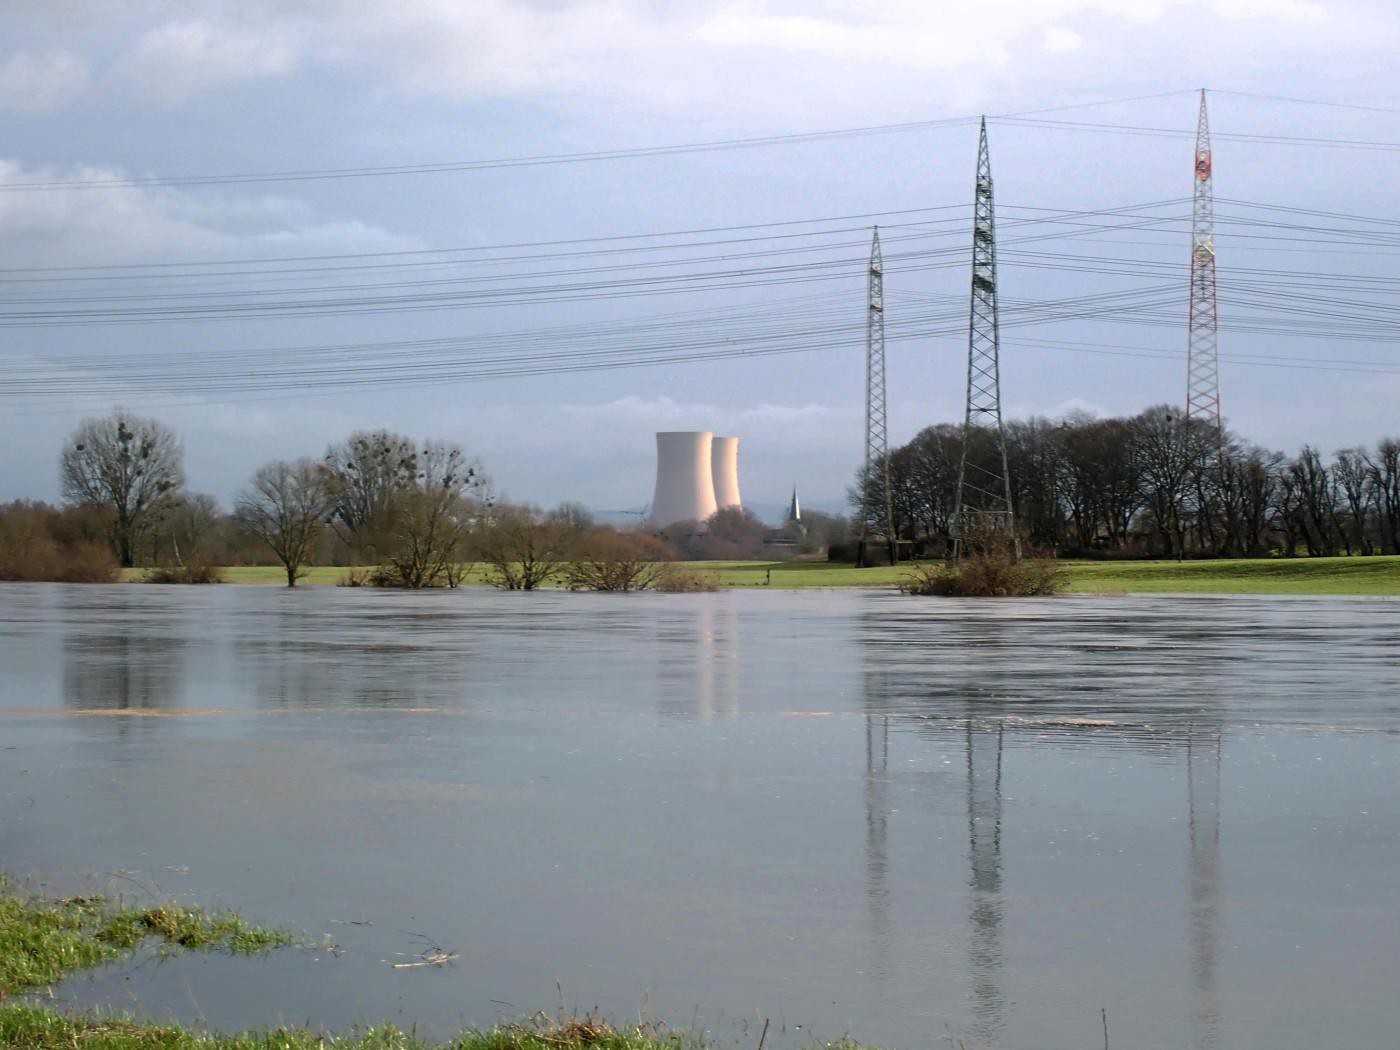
x=794, y=513
x=696, y=475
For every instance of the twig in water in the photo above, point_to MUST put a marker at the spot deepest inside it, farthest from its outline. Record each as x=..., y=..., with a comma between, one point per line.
x=428, y=959
x=764, y=1034
x=1103, y=1012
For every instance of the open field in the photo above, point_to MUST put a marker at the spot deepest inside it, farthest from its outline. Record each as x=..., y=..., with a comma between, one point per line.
x=1379, y=575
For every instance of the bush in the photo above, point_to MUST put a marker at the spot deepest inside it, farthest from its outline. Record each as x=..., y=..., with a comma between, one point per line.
x=986, y=575
x=37, y=542
x=194, y=573
x=88, y=562
x=524, y=549
x=677, y=579
x=608, y=560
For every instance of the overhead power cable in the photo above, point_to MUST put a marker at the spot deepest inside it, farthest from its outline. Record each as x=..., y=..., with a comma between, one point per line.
x=544, y=159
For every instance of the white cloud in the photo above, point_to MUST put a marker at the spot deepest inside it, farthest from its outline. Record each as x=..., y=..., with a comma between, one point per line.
x=40, y=83
x=69, y=227
x=724, y=58
x=1059, y=38
x=178, y=59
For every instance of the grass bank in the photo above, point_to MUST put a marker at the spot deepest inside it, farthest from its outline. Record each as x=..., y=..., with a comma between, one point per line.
x=42, y=941
x=1361, y=576
x=35, y=1028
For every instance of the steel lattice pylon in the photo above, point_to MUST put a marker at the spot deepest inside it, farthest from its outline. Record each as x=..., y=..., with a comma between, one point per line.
x=984, y=489
x=1202, y=343
x=876, y=506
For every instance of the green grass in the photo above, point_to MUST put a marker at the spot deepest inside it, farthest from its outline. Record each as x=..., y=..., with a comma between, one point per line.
x=1374, y=576
x=36, y=1028
x=41, y=941
x=1361, y=576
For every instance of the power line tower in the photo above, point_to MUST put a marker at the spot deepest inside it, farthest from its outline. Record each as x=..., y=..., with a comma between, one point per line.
x=984, y=489
x=877, y=507
x=1202, y=341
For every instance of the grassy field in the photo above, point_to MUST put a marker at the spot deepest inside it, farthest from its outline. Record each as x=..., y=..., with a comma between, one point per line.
x=1227, y=576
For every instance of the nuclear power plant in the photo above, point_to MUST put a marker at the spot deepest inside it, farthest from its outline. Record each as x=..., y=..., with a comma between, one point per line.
x=724, y=468
x=696, y=475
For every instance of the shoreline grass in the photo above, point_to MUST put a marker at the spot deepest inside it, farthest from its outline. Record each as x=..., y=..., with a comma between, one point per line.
x=1376, y=575
x=29, y=1027
x=42, y=941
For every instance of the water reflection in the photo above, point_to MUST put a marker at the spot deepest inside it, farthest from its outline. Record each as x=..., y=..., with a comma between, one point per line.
x=984, y=754
x=975, y=690
x=1204, y=749
x=123, y=666
x=877, y=819
x=700, y=667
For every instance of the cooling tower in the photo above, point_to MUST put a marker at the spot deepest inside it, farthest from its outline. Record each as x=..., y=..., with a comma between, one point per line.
x=724, y=459
x=685, y=488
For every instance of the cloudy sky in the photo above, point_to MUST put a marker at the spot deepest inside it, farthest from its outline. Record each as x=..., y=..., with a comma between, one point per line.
x=195, y=223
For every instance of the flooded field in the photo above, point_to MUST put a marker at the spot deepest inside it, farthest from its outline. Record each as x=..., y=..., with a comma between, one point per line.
x=913, y=821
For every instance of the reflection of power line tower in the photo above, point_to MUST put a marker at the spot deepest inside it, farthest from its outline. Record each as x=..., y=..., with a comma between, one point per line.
x=876, y=498
x=984, y=488
x=1203, y=752
x=984, y=749
x=877, y=865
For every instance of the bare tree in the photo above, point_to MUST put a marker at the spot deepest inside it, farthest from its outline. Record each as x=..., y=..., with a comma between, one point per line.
x=575, y=517
x=1169, y=451
x=371, y=469
x=523, y=548
x=286, y=507
x=1354, y=481
x=191, y=532
x=605, y=559
x=1384, y=469
x=425, y=535
x=127, y=465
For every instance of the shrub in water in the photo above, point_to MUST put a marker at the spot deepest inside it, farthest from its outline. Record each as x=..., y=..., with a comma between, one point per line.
x=677, y=579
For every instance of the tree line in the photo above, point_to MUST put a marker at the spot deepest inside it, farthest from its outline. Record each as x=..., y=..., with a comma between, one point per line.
x=403, y=513
x=1150, y=485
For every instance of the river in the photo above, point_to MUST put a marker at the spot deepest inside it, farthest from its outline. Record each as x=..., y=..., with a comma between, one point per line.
x=913, y=821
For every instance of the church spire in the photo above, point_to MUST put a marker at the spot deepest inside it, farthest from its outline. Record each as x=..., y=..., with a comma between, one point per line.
x=794, y=508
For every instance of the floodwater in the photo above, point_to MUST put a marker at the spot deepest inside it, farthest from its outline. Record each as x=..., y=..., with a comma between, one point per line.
x=915, y=821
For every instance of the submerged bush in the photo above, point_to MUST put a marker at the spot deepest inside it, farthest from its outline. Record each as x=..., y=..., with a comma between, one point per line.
x=609, y=560
x=986, y=575
x=677, y=579
x=184, y=574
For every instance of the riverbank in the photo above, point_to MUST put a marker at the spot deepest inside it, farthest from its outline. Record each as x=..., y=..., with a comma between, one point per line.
x=28, y=1027
x=43, y=941
x=1328, y=576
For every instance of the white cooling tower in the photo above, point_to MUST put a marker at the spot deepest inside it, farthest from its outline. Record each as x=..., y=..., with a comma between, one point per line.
x=685, y=488
x=724, y=459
